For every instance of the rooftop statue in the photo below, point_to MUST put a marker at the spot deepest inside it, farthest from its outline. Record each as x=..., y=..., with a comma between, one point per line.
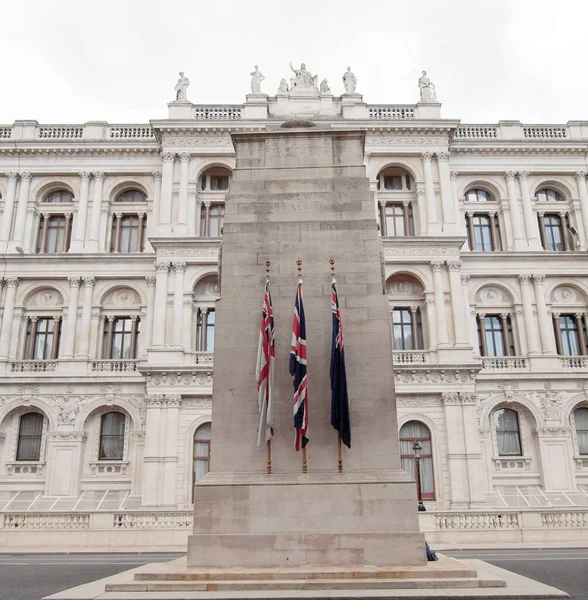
x=256, y=79
x=303, y=79
x=283, y=87
x=181, y=87
x=325, y=89
x=427, y=89
x=349, y=81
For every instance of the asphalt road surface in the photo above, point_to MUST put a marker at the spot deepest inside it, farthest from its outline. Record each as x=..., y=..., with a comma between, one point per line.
x=33, y=576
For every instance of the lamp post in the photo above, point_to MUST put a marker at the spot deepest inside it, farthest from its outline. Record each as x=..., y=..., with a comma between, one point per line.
x=417, y=454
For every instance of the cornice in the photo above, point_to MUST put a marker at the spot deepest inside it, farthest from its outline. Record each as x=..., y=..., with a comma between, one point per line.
x=516, y=147
x=73, y=259
x=420, y=247
x=35, y=149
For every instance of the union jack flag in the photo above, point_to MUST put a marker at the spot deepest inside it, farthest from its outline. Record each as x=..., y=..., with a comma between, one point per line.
x=298, y=371
x=264, y=370
x=339, y=398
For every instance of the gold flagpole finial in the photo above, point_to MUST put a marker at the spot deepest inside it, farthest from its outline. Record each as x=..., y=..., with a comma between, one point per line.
x=267, y=269
x=299, y=266
x=332, y=263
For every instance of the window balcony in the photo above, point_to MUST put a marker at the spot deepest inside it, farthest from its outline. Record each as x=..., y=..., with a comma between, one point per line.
x=505, y=363
x=114, y=366
x=33, y=366
x=25, y=467
x=204, y=358
x=410, y=357
x=573, y=362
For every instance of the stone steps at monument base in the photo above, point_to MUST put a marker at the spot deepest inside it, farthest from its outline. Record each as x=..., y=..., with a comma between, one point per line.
x=302, y=585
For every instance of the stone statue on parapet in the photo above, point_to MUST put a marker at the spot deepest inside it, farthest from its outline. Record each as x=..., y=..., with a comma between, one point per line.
x=349, y=81
x=303, y=79
x=256, y=79
x=427, y=89
x=181, y=87
x=283, y=87
x=325, y=89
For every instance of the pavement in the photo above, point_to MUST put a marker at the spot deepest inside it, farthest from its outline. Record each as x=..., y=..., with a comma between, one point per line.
x=34, y=575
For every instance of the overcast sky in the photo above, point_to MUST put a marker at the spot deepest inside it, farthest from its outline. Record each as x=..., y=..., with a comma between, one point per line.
x=72, y=61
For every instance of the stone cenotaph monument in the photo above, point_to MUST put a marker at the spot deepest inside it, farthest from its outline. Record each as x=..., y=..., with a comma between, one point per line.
x=302, y=192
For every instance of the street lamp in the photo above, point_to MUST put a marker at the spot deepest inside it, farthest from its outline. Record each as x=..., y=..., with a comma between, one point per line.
x=417, y=454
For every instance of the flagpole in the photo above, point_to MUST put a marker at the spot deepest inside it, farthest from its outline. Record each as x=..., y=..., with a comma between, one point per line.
x=304, y=463
x=339, y=448
x=268, y=468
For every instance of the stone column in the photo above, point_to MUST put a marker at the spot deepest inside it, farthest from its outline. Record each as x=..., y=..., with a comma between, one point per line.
x=21, y=209
x=460, y=222
x=431, y=321
x=170, y=463
x=147, y=329
x=519, y=242
x=460, y=328
x=9, y=300
x=153, y=221
x=188, y=325
x=80, y=229
x=152, y=460
x=182, y=226
x=470, y=328
x=530, y=328
x=447, y=199
x=422, y=212
x=160, y=306
x=520, y=325
x=433, y=225
x=72, y=317
x=94, y=243
x=456, y=454
x=473, y=450
x=167, y=182
x=8, y=207
x=436, y=267
x=83, y=346
x=580, y=177
x=545, y=324
x=531, y=225
x=177, y=337
x=192, y=213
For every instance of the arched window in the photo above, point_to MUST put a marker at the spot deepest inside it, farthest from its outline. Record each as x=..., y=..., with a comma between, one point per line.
x=410, y=433
x=548, y=195
x=396, y=197
x=131, y=196
x=201, y=453
x=59, y=197
x=478, y=195
x=508, y=434
x=581, y=421
x=30, y=435
x=112, y=436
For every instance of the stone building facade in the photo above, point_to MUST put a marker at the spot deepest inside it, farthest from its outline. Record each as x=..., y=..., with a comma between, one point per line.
x=110, y=238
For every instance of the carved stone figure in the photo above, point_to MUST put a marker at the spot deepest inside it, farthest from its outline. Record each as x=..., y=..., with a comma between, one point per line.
x=256, y=79
x=349, y=81
x=427, y=89
x=325, y=89
x=181, y=88
x=283, y=87
x=303, y=79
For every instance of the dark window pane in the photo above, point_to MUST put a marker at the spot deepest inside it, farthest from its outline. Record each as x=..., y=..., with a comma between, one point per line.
x=507, y=432
x=112, y=436
x=30, y=434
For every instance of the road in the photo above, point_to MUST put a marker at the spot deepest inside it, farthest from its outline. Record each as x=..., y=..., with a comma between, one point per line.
x=33, y=576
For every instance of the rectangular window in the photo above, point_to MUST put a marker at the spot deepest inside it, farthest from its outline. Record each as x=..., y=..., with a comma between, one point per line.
x=120, y=338
x=407, y=329
x=483, y=232
x=398, y=220
x=128, y=234
x=507, y=432
x=54, y=234
x=41, y=338
x=205, y=330
x=393, y=182
x=219, y=182
x=30, y=435
x=571, y=336
x=553, y=229
x=211, y=220
x=495, y=336
x=112, y=436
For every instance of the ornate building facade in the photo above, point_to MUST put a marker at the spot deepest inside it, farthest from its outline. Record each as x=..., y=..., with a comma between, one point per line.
x=110, y=238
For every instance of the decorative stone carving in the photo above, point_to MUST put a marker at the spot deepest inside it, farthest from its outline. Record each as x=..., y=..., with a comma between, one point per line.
x=256, y=79
x=418, y=401
x=454, y=265
x=403, y=140
x=303, y=79
x=566, y=295
x=442, y=156
x=325, y=89
x=68, y=436
x=45, y=298
x=68, y=409
x=492, y=295
x=553, y=431
x=74, y=282
x=401, y=287
x=349, y=81
x=427, y=89
x=207, y=287
x=283, y=87
x=436, y=266
x=200, y=140
x=451, y=398
x=204, y=403
x=524, y=279
x=551, y=404
x=121, y=297
x=179, y=267
x=150, y=279
x=89, y=281
x=162, y=267
x=468, y=397
x=426, y=156
x=181, y=88
x=110, y=389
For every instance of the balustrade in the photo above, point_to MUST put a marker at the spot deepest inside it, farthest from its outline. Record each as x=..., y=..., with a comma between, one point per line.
x=545, y=133
x=33, y=366
x=60, y=132
x=129, y=132
x=381, y=113
x=217, y=113
x=556, y=520
x=504, y=363
x=573, y=362
x=46, y=521
x=5, y=133
x=114, y=366
x=410, y=357
x=477, y=521
x=204, y=358
x=155, y=520
x=476, y=132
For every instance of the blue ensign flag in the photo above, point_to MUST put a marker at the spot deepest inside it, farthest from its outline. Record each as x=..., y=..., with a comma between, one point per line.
x=339, y=398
